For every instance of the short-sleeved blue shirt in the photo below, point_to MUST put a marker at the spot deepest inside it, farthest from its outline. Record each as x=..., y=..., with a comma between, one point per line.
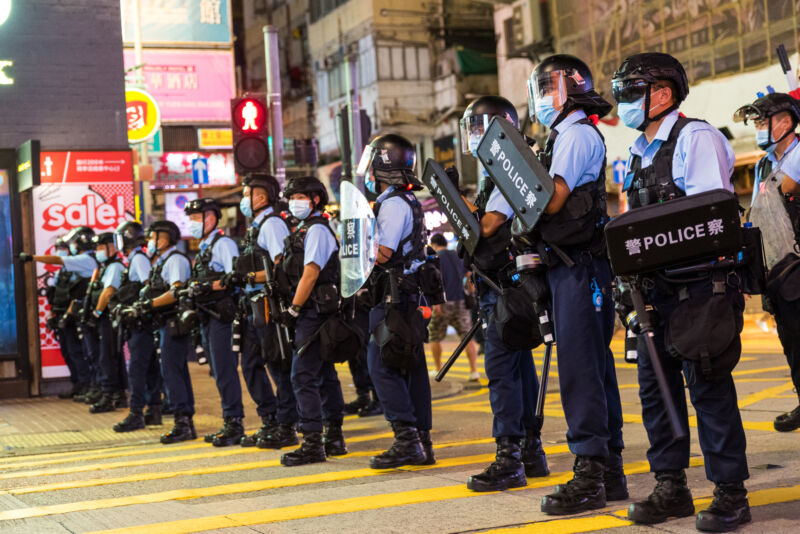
x=395, y=221
x=272, y=233
x=703, y=159
x=82, y=264
x=222, y=253
x=112, y=276
x=497, y=202
x=139, y=267
x=578, y=152
x=318, y=244
x=789, y=165
x=176, y=268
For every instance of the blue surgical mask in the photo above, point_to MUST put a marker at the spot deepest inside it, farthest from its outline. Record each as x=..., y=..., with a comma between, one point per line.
x=631, y=113
x=764, y=142
x=371, y=185
x=546, y=113
x=196, y=229
x=474, y=141
x=62, y=253
x=101, y=256
x=151, y=248
x=73, y=249
x=245, y=208
x=300, y=208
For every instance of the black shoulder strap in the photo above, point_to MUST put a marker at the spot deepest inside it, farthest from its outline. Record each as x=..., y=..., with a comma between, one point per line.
x=319, y=219
x=416, y=229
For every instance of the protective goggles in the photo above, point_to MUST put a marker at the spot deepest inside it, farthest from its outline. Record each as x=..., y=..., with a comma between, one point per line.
x=472, y=130
x=119, y=241
x=545, y=85
x=748, y=113
x=627, y=91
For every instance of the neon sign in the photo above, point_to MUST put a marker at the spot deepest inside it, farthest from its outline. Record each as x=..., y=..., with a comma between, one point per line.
x=5, y=11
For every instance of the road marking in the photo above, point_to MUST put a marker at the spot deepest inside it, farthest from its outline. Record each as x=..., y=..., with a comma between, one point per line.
x=565, y=526
x=764, y=394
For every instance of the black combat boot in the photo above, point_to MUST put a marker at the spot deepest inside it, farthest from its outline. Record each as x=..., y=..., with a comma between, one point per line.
x=209, y=438
x=533, y=456
x=105, y=404
x=584, y=492
x=166, y=409
x=507, y=470
x=75, y=390
x=427, y=446
x=268, y=425
x=232, y=432
x=788, y=422
x=373, y=407
x=152, y=415
x=406, y=449
x=134, y=421
x=333, y=439
x=311, y=451
x=728, y=510
x=614, y=477
x=282, y=436
x=353, y=407
x=92, y=395
x=670, y=498
x=182, y=431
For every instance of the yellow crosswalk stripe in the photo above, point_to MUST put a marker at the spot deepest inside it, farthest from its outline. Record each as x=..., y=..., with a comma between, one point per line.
x=565, y=526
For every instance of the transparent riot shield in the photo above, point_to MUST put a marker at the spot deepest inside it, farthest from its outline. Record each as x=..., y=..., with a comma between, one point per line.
x=359, y=249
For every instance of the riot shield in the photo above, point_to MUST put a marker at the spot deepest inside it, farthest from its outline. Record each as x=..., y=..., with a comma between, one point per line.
x=446, y=194
x=359, y=249
x=515, y=170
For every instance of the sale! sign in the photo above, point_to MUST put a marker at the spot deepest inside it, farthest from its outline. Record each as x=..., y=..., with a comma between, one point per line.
x=78, y=188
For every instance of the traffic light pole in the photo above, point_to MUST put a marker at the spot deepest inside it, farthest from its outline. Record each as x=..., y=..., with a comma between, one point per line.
x=274, y=102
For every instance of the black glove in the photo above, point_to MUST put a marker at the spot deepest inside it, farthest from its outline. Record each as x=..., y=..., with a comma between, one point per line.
x=288, y=318
x=233, y=279
x=197, y=289
x=25, y=257
x=452, y=173
x=143, y=307
x=92, y=318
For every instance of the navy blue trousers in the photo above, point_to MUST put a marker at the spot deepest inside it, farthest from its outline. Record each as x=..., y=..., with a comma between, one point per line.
x=719, y=423
x=316, y=384
x=254, y=357
x=586, y=372
x=405, y=395
x=142, y=368
x=225, y=363
x=175, y=370
x=113, y=376
x=72, y=349
x=255, y=372
x=358, y=361
x=92, y=352
x=513, y=383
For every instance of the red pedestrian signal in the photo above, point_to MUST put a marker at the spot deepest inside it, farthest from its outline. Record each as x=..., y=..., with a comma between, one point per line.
x=250, y=132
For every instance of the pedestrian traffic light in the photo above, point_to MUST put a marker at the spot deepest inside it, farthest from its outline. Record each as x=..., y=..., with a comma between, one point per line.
x=250, y=129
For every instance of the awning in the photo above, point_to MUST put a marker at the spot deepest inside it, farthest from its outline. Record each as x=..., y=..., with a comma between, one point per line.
x=474, y=62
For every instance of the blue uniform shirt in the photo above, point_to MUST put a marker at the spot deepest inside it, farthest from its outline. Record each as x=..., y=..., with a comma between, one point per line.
x=272, y=233
x=222, y=253
x=395, y=222
x=318, y=244
x=578, y=152
x=497, y=202
x=703, y=158
x=139, y=267
x=82, y=264
x=177, y=268
x=112, y=276
x=789, y=162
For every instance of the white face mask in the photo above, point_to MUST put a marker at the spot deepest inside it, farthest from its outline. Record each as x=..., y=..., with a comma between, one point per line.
x=196, y=229
x=300, y=208
x=151, y=248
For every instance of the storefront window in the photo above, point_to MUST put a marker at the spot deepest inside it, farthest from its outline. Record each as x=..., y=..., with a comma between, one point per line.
x=8, y=315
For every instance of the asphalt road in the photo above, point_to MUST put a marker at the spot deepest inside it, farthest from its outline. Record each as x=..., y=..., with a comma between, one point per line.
x=91, y=480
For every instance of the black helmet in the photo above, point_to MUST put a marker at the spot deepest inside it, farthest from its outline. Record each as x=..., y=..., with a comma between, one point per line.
x=200, y=205
x=393, y=160
x=129, y=234
x=265, y=181
x=308, y=185
x=638, y=72
x=569, y=78
x=767, y=106
x=105, y=238
x=168, y=227
x=60, y=243
x=479, y=114
x=81, y=237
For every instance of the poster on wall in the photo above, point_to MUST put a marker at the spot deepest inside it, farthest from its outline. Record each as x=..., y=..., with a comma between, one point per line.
x=92, y=189
x=194, y=22
x=173, y=208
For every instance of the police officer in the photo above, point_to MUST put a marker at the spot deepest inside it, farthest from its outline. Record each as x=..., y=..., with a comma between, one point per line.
x=403, y=388
x=675, y=157
x=171, y=271
x=262, y=243
x=777, y=180
x=513, y=384
x=562, y=96
x=144, y=372
x=82, y=264
x=113, y=377
x=366, y=402
x=311, y=266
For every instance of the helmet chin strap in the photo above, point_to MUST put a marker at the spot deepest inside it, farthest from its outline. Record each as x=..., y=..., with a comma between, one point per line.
x=647, y=118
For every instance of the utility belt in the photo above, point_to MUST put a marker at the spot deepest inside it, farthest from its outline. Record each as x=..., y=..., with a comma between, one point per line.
x=324, y=299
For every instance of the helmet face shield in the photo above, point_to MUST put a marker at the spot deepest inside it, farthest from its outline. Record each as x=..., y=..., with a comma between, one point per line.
x=365, y=162
x=627, y=91
x=119, y=241
x=472, y=130
x=542, y=87
x=748, y=113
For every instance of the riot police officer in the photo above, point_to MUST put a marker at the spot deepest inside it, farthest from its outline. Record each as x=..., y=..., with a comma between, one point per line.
x=262, y=248
x=311, y=266
x=401, y=380
x=674, y=157
x=774, y=209
x=171, y=271
x=144, y=372
x=562, y=97
x=513, y=384
x=113, y=377
x=82, y=264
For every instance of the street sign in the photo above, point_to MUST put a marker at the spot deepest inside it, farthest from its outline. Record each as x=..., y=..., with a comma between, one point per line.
x=154, y=146
x=28, y=155
x=216, y=138
x=619, y=171
x=86, y=166
x=144, y=115
x=200, y=171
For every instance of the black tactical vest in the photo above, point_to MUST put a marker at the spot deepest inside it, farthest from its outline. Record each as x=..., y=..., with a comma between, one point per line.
x=251, y=260
x=156, y=285
x=67, y=287
x=655, y=183
x=201, y=270
x=417, y=237
x=129, y=291
x=96, y=287
x=495, y=252
x=294, y=253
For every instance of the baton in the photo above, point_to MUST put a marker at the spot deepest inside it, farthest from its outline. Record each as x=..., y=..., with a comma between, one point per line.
x=786, y=67
x=459, y=349
x=647, y=329
x=548, y=352
x=280, y=330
